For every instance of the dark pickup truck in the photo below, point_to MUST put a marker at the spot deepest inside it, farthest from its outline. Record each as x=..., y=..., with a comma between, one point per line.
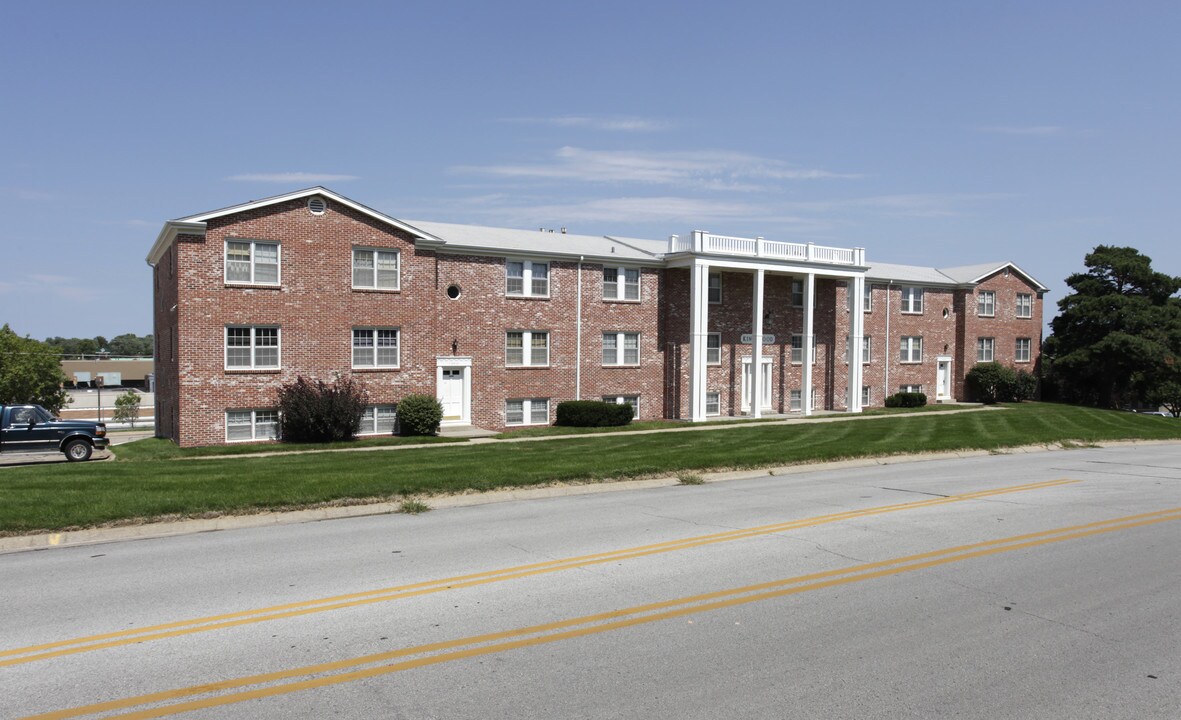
x=33, y=429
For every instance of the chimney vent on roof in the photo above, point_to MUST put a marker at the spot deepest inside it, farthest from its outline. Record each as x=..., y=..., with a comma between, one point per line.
x=563, y=231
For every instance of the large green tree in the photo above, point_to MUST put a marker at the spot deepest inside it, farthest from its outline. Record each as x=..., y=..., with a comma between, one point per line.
x=30, y=372
x=1118, y=335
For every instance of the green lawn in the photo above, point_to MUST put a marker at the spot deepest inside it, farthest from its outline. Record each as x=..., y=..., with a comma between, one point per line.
x=58, y=496
x=158, y=449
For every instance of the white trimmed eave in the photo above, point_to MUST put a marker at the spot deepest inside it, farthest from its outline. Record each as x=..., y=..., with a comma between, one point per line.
x=447, y=248
x=167, y=236
x=1037, y=285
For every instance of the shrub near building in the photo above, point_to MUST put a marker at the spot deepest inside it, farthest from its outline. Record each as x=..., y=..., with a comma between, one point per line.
x=314, y=411
x=593, y=413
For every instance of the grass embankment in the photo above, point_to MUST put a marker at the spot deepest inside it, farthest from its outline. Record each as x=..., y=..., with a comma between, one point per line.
x=58, y=496
x=157, y=449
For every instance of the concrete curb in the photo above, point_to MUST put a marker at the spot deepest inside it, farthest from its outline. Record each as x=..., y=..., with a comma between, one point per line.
x=147, y=531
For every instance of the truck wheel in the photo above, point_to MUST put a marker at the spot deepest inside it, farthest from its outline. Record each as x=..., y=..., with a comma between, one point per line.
x=77, y=450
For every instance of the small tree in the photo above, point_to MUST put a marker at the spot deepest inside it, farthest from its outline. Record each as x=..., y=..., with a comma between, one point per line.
x=991, y=382
x=419, y=415
x=314, y=411
x=30, y=372
x=1169, y=395
x=127, y=407
x=1024, y=386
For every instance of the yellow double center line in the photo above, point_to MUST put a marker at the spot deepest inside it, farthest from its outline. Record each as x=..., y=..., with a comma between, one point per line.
x=131, y=636
x=344, y=671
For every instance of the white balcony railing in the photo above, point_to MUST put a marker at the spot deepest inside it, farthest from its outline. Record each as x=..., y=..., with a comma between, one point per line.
x=703, y=242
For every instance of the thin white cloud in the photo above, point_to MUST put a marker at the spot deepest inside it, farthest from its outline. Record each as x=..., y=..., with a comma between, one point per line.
x=706, y=169
x=291, y=177
x=63, y=286
x=610, y=123
x=1022, y=129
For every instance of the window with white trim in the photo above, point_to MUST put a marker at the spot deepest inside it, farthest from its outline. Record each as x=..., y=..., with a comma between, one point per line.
x=621, y=348
x=252, y=262
x=713, y=403
x=633, y=400
x=795, y=401
x=986, y=303
x=797, y=348
x=244, y=425
x=252, y=347
x=1024, y=305
x=526, y=278
x=866, y=349
x=715, y=288
x=797, y=293
x=713, y=349
x=621, y=283
x=527, y=411
x=912, y=300
x=516, y=342
x=867, y=298
x=376, y=269
x=376, y=347
x=866, y=396
x=1021, y=352
x=985, y=348
x=910, y=388
x=911, y=349
x=378, y=420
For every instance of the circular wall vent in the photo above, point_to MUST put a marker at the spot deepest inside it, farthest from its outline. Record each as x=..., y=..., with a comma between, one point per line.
x=317, y=205
x=453, y=291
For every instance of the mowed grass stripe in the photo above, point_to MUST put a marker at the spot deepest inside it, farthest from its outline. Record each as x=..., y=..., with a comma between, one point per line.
x=56, y=497
x=466, y=648
x=19, y=656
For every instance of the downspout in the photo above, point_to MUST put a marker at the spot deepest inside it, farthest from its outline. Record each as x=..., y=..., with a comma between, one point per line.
x=578, y=337
x=886, y=350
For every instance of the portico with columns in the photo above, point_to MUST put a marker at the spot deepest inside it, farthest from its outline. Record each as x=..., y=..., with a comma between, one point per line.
x=703, y=254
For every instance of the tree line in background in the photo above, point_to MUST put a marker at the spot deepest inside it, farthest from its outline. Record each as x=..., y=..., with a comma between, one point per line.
x=126, y=345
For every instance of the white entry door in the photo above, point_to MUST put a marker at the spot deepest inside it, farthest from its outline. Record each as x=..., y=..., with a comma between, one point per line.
x=451, y=392
x=942, y=378
x=764, y=384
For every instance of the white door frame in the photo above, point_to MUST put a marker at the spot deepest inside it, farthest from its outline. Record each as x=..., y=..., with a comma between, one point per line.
x=765, y=385
x=456, y=363
x=943, y=389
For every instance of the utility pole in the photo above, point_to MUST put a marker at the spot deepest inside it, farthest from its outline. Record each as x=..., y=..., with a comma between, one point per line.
x=98, y=383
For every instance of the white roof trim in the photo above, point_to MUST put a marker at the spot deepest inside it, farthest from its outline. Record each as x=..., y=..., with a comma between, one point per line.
x=1019, y=271
x=167, y=236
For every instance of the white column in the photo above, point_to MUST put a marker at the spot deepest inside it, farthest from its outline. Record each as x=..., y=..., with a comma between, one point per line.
x=809, y=330
x=698, y=334
x=856, y=335
x=756, y=348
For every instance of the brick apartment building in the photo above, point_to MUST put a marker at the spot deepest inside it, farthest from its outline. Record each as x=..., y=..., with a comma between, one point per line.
x=503, y=324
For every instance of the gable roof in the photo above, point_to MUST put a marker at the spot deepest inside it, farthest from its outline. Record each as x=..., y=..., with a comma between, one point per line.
x=482, y=239
x=916, y=274
x=974, y=274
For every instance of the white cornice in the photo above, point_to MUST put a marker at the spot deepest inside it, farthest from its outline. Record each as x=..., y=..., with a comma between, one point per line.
x=168, y=234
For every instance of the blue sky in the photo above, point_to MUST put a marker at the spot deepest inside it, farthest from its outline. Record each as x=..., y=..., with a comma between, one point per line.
x=931, y=133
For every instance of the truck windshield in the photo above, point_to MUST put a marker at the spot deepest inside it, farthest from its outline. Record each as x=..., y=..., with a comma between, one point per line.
x=41, y=415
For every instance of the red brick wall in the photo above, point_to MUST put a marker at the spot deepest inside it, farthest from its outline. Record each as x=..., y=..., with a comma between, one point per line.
x=886, y=373
x=1004, y=326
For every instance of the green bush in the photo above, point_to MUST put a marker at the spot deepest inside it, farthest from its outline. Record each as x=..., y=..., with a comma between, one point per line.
x=593, y=413
x=1024, y=386
x=906, y=400
x=990, y=383
x=127, y=407
x=314, y=411
x=419, y=415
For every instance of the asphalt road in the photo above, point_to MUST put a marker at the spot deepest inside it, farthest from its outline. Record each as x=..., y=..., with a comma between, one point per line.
x=1024, y=586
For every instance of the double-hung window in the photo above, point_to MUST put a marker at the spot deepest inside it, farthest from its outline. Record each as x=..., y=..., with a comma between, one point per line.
x=252, y=262
x=715, y=288
x=526, y=278
x=375, y=269
x=985, y=348
x=375, y=347
x=621, y=348
x=242, y=425
x=633, y=400
x=528, y=411
x=1024, y=305
x=713, y=349
x=1021, y=353
x=911, y=349
x=867, y=298
x=866, y=349
x=713, y=403
x=797, y=349
x=866, y=396
x=378, y=420
x=621, y=283
x=912, y=300
x=986, y=303
x=797, y=293
x=910, y=388
x=526, y=348
x=252, y=348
